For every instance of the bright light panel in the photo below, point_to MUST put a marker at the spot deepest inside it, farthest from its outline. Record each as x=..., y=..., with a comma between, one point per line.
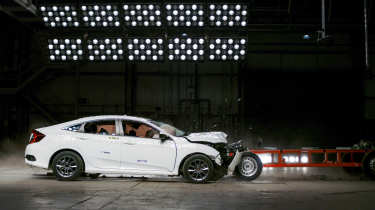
x=142, y=15
x=291, y=158
x=227, y=49
x=65, y=49
x=59, y=16
x=105, y=49
x=189, y=49
x=145, y=49
x=185, y=15
x=227, y=15
x=100, y=15
x=265, y=158
x=304, y=159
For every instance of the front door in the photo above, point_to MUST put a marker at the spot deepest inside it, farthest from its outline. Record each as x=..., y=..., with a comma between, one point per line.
x=143, y=150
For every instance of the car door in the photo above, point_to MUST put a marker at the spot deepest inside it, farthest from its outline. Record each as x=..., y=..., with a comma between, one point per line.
x=141, y=150
x=99, y=143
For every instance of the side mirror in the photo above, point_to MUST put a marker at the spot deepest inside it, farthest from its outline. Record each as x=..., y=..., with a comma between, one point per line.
x=164, y=137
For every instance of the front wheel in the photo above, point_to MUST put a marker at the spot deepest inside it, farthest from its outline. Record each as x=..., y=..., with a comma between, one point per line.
x=249, y=167
x=198, y=169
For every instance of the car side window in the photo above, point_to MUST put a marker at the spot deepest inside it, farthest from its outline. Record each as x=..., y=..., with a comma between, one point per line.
x=140, y=130
x=74, y=128
x=102, y=127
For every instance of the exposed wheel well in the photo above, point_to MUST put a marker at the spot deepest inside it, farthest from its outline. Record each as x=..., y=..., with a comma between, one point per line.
x=186, y=157
x=63, y=150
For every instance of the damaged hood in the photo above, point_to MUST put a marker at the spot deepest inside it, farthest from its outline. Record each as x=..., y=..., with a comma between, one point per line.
x=212, y=137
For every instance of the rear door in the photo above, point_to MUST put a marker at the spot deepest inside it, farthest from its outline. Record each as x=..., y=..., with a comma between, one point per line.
x=143, y=150
x=99, y=143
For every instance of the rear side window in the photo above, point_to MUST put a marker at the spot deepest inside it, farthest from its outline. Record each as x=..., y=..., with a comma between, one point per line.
x=74, y=128
x=102, y=127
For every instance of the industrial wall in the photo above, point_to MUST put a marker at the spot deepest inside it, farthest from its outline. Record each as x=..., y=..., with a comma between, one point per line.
x=288, y=90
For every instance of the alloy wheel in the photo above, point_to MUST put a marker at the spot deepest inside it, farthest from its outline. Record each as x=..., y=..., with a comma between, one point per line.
x=198, y=170
x=66, y=166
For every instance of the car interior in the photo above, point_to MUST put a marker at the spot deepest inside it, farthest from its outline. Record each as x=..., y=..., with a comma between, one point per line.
x=139, y=130
x=101, y=127
x=135, y=129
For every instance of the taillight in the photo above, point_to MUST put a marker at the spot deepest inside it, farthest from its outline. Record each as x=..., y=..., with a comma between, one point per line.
x=36, y=136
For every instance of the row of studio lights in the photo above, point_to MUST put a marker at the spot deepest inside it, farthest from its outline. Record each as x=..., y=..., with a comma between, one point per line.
x=267, y=158
x=147, y=49
x=145, y=15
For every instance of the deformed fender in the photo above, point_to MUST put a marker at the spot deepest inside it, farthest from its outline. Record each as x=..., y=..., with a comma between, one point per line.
x=235, y=161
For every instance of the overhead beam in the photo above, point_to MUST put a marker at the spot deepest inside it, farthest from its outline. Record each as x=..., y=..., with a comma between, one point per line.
x=28, y=5
x=15, y=17
x=10, y=13
x=45, y=113
x=30, y=79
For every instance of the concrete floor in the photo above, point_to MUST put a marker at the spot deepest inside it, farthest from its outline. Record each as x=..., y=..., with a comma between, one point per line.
x=303, y=188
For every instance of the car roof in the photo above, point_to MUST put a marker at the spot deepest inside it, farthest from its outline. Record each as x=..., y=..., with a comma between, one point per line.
x=102, y=117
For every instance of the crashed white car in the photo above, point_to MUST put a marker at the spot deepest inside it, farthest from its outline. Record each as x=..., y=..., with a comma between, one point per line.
x=136, y=146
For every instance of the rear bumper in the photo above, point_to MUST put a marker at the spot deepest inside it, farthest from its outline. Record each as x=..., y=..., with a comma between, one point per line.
x=35, y=164
x=34, y=156
x=30, y=158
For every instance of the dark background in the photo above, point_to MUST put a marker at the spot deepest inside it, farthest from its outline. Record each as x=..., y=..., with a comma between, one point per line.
x=289, y=92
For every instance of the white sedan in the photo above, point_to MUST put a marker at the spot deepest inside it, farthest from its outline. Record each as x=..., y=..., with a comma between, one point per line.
x=135, y=146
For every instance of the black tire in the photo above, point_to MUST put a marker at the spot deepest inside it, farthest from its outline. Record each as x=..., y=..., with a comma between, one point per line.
x=219, y=173
x=198, y=169
x=217, y=176
x=249, y=167
x=67, y=166
x=368, y=165
x=94, y=176
x=352, y=170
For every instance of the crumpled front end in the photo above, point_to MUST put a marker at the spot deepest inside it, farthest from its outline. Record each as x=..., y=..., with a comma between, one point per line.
x=211, y=137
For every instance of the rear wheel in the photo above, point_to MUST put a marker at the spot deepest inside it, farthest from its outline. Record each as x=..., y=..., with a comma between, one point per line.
x=198, y=169
x=249, y=167
x=67, y=166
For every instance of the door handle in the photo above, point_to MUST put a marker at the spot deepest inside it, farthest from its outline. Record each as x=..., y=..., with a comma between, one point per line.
x=82, y=138
x=129, y=143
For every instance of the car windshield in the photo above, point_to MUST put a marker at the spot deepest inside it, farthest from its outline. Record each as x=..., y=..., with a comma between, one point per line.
x=169, y=129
